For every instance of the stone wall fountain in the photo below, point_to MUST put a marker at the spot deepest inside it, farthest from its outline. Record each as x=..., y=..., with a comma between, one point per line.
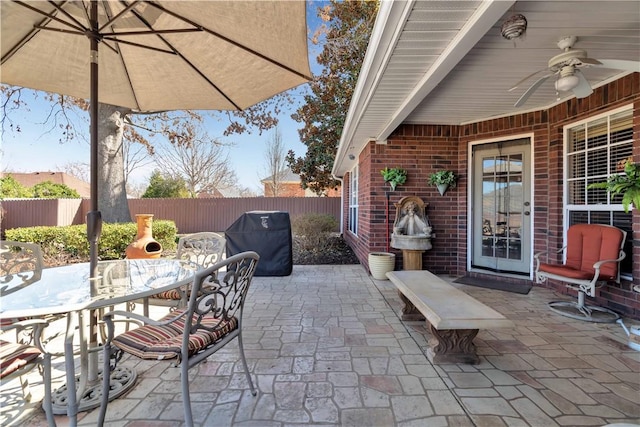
x=411, y=231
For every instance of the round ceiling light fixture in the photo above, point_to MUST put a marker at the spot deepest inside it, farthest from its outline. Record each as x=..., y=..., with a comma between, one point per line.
x=568, y=79
x=514, y=27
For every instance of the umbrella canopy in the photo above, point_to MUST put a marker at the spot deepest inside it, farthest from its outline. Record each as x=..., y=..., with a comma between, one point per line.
x=158, y=55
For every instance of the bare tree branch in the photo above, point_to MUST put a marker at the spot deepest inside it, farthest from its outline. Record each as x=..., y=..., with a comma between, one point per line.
x=202, y=161
x=275, y=157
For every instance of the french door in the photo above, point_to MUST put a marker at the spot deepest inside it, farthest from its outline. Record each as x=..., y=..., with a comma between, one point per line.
x=501, y=200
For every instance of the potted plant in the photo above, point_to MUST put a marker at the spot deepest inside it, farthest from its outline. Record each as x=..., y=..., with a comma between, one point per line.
x=627, y=184
x=394, y=176
x=443, y=179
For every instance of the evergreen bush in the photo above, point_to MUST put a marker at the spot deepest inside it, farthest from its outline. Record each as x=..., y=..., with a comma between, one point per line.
x=69, y=244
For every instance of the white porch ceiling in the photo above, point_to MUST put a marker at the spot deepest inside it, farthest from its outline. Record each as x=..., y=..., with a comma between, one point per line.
x=445, y=62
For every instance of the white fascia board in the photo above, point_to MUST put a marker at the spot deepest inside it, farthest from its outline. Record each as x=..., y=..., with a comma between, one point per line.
x=387, y=29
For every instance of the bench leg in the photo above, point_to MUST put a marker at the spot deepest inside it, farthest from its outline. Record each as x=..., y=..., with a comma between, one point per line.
x=453, y=346
x=409, y=311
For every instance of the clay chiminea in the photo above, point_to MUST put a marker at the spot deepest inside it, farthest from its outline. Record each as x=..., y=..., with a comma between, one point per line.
x=145, y=246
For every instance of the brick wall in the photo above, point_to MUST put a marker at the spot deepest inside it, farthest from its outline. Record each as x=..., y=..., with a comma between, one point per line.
x=285, y=189
x=294, y=189
x=422, y=149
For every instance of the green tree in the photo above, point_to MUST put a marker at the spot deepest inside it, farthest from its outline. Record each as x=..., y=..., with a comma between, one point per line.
x=164, y=186
x=52, y=190
x=12, y=189
x=346, y=32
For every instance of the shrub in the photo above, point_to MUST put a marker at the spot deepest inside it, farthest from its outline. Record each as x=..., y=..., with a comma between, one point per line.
x=313, y=230
x=69, y=243
x=10, y=188
x=52, y=190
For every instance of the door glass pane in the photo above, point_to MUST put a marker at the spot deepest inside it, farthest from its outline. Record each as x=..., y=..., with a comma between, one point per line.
x=488, y=206
x=502, y=203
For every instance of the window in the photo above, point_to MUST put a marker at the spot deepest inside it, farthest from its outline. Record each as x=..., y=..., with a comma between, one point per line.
x=596, y=149
x=353, y=200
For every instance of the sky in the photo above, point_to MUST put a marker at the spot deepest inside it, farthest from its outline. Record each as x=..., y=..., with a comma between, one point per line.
x=37, y=148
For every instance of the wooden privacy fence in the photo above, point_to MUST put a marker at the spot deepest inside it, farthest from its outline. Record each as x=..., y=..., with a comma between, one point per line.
x=190, y=215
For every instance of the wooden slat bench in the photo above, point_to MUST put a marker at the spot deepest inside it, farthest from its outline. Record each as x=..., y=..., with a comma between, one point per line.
x=454, y=318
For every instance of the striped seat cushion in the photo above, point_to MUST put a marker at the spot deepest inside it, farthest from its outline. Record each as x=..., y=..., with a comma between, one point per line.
x=15, y=356
x=173, y=294
x=164, y=342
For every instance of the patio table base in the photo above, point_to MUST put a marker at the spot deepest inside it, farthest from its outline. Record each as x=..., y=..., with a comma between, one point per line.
x=122, y=379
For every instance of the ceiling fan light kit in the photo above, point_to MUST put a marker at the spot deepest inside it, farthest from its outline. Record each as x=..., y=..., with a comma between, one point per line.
x=568, y=79
x=567, y=83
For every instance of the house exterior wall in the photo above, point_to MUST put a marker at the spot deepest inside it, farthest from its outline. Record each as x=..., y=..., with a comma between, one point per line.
x=294, y=189
x=286, y=189
x=422, y=149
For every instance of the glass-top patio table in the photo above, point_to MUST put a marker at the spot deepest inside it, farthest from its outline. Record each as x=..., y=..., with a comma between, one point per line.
x=68, y=290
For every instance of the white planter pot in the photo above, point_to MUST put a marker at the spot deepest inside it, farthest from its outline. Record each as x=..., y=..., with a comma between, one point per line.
x=380, y=263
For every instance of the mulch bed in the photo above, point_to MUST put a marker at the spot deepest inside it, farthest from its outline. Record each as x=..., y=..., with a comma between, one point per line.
x=335, y=251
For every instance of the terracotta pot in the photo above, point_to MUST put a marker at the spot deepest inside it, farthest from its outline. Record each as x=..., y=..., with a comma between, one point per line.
x=145, y=246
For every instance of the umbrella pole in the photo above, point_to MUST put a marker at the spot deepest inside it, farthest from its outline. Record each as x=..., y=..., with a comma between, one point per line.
x=94, y=218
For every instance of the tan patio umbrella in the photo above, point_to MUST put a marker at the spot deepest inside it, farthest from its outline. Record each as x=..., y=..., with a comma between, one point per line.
x=153, y=56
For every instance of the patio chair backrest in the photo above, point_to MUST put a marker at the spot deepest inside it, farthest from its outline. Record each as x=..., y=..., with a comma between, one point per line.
x=204, y=248
x=590, y=243
x=20, y=259
x=216, y=298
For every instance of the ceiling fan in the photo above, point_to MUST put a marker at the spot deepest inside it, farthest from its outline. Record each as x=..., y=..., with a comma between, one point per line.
x=566, y=67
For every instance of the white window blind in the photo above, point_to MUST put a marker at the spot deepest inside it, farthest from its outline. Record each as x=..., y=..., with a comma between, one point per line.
x=596, y=149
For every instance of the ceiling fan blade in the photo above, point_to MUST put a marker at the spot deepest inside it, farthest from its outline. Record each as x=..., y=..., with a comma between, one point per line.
x=590, y=61
x=525, y=79
x=530, y=91
x=619, y=64
x=584, y=88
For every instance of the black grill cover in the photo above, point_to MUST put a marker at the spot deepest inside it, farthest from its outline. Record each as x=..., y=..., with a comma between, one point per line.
x=267, y=233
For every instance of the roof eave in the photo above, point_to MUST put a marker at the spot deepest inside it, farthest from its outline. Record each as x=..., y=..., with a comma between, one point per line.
x=390, y=22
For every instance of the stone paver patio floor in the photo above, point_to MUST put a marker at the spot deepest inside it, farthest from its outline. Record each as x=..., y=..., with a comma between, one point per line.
x=326, y=347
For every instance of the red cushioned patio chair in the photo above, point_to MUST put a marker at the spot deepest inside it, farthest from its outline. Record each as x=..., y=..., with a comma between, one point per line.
x=593, y=254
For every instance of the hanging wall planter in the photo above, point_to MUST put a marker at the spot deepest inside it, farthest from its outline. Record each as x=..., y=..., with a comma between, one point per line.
x=443, y=180
x=394, y=176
